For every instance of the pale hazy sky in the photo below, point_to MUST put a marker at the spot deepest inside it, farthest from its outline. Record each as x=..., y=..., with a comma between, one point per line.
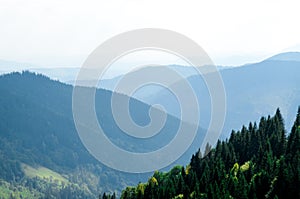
x=63, y=33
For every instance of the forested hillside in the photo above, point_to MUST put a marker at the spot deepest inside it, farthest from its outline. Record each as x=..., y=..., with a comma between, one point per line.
x=259, y=161
x=41, y=153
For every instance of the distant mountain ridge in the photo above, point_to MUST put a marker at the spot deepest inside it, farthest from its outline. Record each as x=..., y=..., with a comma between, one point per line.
x=232, y=76
x=251, y=90
x=11, y=66
x=288, y=56
x=151, y=95
x=68, y=74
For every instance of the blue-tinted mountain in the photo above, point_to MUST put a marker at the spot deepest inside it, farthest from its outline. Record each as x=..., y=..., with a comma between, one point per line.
x=288, y=56
x=251, y=90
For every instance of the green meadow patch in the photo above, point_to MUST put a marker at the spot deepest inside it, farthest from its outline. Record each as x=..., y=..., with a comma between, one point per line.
x=44, y=173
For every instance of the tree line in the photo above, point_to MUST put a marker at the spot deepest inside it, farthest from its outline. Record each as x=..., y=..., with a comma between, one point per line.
x=259, y=161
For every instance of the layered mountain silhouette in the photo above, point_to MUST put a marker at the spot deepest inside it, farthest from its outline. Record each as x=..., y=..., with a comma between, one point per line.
x=37, y=128
x=252, y=90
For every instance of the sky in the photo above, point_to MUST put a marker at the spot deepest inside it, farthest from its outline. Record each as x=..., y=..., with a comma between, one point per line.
x=62, y=33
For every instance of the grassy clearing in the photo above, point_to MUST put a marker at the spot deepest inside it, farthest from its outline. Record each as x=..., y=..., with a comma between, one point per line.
x=44, y=173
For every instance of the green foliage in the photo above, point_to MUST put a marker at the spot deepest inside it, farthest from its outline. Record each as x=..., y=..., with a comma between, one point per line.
x=256, y=162
x=246, y=166
x=9, y=190
x=39, y=188
x=37, y=129
x=44, y=173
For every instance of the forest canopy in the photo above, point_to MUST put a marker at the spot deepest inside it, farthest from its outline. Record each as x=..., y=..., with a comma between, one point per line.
x=259, y=161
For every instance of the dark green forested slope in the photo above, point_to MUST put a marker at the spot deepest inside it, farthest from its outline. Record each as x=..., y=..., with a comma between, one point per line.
x=41, y=154
x=255, y=162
